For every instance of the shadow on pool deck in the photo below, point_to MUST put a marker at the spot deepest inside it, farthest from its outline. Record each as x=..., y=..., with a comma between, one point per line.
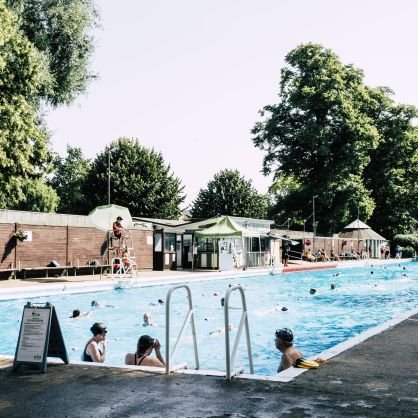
x=377, y=378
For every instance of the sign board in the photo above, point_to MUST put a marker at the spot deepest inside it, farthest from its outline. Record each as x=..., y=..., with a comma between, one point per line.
x=39, y=337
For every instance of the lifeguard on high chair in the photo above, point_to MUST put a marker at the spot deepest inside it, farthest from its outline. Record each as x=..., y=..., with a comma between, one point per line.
x=119, y=232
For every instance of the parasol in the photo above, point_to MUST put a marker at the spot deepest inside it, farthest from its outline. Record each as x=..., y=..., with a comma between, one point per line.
x=103, y=217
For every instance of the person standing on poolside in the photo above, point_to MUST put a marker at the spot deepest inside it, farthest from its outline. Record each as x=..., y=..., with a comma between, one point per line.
x=284, y=343
x=285, y=256
x=92, y=351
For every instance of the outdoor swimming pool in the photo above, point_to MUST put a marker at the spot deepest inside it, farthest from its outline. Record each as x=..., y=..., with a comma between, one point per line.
x=360, y=301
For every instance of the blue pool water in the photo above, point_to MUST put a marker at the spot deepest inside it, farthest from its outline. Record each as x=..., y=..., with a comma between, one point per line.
x=360, y=301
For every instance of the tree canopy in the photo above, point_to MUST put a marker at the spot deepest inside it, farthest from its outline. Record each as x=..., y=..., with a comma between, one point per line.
x=44, y=51
x=139, y=179
x=327, y=136
x=70, y=177
x=230, y=194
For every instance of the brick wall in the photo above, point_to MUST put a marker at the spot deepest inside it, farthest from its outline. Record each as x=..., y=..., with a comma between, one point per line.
x=68, y=245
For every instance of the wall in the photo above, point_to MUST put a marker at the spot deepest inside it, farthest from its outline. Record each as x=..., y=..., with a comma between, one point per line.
x=68, y=245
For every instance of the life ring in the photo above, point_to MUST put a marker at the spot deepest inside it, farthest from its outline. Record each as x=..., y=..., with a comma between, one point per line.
x=302, y=363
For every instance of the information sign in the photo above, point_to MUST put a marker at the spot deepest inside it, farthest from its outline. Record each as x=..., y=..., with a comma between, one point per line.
x=39, y=337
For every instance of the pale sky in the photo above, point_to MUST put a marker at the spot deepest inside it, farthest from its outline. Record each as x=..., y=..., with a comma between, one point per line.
x=187, y=77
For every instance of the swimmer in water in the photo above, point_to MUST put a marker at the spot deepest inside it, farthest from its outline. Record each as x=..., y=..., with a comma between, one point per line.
x=221, y=331
x=78, y=315
x=148, y=321
x=98, y=304
x=275, y=309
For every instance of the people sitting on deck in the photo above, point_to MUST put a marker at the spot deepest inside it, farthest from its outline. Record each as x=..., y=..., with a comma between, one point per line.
x=284, y=343
x=309, y=256
x=92, y=351
x=142, y=356
x=323, y=255
x=126, y=260
x=334, y=256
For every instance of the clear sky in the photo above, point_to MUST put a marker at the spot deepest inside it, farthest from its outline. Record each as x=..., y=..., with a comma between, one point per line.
x=187, y=77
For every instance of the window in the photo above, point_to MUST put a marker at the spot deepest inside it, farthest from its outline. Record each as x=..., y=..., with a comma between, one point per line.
x=169, y=242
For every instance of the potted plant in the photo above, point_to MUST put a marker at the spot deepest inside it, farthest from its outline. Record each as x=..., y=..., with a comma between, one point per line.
x=21, y=235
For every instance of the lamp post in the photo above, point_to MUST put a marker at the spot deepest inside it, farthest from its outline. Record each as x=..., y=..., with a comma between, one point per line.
x=358, y=229
x=108, y=177
x=313, y=222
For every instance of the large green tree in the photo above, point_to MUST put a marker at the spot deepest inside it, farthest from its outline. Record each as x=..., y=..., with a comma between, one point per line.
x=392, y=173
x=45, y=47
x=139, y=179
x=318, y=139
x=24, y=154
x=60, y=30
x=69, y=180
x=229, y=193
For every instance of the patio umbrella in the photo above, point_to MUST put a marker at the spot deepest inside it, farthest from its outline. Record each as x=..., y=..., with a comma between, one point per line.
x=103, y=217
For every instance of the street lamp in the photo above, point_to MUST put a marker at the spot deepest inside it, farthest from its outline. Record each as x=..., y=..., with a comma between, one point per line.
x=108, y=177
x=313, y=222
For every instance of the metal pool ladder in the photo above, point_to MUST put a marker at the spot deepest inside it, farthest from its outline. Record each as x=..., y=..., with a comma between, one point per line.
x=230, y=359
x=189, y=317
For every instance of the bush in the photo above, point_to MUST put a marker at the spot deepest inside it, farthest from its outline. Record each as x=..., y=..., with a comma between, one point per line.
x=408, y=252
x=406, y=241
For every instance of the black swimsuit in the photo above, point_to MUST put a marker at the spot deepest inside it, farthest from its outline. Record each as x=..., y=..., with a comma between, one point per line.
x=87, y=357
x=140, y=361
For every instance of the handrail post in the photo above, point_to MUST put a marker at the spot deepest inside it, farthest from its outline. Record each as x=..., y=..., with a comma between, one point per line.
x=243, y=322
x=189, y=317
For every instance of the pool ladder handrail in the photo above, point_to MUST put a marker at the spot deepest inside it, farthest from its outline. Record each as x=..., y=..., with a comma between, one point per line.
x=230, y=359
x=189, y=317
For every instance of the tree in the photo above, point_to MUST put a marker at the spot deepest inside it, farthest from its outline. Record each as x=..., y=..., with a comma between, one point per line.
x=230, y=194
x=38, y=197
x=393, y=169
x=318, y=138
x=140, y=180
x=24, y=153
x=60, y=32
x=45, y=47
x=69, y=181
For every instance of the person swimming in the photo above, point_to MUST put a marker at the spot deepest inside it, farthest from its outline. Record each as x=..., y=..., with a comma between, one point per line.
x=221, y=331
x=148, y=321
x=78, y=315
x=98, y=304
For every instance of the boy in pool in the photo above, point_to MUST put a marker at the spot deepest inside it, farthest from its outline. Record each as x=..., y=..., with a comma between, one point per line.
x=284, y=343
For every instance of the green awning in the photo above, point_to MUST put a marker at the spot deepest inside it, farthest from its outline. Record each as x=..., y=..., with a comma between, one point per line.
x=224, y=228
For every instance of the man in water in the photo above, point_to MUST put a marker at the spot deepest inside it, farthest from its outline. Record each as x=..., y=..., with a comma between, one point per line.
x=284, y=343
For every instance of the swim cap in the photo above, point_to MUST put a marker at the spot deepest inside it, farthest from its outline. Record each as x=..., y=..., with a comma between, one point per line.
x=285, y=334
x=98, y=328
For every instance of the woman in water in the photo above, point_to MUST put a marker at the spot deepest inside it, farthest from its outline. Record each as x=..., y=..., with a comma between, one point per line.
x=143, y=357
x=92, y=352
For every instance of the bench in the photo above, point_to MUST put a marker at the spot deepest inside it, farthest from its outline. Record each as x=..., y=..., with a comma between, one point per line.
x=12, y=273
x=65, y=270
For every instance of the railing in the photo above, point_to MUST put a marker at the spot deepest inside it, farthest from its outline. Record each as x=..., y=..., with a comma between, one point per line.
x=295, y=255
x=258, y=259
x=189, y=317
x=230, y=359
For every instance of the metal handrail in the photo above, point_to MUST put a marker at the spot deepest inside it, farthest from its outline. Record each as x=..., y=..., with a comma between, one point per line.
x=230, y=359
x=189, y=316
x=298, y=255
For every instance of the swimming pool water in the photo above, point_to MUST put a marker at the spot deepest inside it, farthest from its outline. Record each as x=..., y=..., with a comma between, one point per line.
x=360, y=301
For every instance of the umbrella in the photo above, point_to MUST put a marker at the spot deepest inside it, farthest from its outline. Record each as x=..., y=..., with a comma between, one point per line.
x=284, y=238
x=103, y=217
